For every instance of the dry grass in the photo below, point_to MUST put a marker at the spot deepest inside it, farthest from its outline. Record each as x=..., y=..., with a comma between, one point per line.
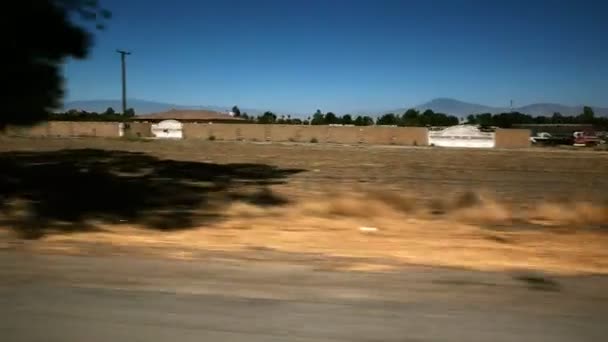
x=330, y=225
x=489, y=210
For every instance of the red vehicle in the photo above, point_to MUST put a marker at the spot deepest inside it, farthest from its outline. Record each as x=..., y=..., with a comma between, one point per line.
x=586, y=139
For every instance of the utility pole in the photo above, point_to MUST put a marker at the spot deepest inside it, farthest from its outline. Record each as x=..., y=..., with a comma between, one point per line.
x=124, y=79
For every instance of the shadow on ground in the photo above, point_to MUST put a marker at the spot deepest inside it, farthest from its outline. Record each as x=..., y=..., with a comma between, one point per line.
x=73, y=190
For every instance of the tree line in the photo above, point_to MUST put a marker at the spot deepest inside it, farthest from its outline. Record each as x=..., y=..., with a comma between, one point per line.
x=507, y=120
x=411, y=117
x=81, y=115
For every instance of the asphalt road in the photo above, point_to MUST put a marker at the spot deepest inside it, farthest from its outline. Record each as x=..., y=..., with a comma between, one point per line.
x=77, y=298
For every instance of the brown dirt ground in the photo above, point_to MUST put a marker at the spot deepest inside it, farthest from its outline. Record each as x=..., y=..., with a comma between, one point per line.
x=480, y=209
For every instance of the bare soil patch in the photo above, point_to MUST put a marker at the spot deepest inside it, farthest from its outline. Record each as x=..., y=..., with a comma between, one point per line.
x=479, y=209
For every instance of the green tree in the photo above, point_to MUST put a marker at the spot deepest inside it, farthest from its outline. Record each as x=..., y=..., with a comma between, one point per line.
x=587, y=116
x=557, y=118
x=109, y=111
x=267, y=118
x=471, y=119
x=236, y=111
x=411, y=117
x=130, y=112
x=387, y=119
x=43, y=34
x=346, y=119
x=331, y=118
x=484, y=119
x=318, y=118
x=368, y=121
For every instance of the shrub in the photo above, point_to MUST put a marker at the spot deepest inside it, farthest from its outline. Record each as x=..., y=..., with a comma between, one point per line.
x=314, y=140
x=211, y=137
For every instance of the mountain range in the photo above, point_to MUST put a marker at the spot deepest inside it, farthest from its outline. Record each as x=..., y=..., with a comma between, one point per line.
x=441, y=105
x=460, y=108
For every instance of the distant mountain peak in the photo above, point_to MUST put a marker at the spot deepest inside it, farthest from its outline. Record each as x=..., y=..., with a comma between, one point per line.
x=460, y=108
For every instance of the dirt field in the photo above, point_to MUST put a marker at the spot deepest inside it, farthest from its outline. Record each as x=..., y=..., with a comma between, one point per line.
x=370, y=207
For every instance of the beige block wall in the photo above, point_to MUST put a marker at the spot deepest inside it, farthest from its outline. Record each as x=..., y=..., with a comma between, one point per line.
x=38, y=130
x=107, y=129
x=284, y=132
x=345, y=135
x=95, y=129
x=512, y=138
x=396, y=136
x=418, y=136
x=308, y=133
x=196, y=131
x=223, y=132
x=61, y=128
x=138, y=129
x=253, y=132
x=378, y=135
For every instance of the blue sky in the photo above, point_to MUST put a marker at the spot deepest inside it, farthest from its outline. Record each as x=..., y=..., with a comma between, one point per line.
x=300, y=55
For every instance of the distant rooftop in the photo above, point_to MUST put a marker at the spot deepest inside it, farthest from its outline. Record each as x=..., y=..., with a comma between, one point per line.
x=188, y=115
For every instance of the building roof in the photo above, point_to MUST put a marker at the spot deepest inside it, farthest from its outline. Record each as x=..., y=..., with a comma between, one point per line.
x=188, y=115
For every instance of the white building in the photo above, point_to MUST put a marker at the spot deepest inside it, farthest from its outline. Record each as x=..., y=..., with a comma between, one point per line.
x=462, y=136
x=168, y=129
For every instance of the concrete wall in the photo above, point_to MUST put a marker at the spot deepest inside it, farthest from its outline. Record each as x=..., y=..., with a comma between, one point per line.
x=284, y=132
x=374, y=135
x=512, y=138
x=196, y=131
x=250, y=132
x=312, y=133
x=396, y=136
x=66, y=129
x=138, y=130
x=38, y=130
x=417, y=136
x=344, y=135
x=90, y=129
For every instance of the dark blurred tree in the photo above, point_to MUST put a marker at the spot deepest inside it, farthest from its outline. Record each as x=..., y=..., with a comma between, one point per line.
x=484, y=119
x=318, y=118
x=236, y=111
x=346, y=119
x=331, y=118
x=410, y=118
x=130, y=112
x=109, y=111
x=557, y=118
x=267, y=118
x=387, y=119
x=368, y=121
x=587, y=116
x=39, y=36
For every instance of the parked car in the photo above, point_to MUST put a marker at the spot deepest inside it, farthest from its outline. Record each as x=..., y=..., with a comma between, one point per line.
x=586, y=138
